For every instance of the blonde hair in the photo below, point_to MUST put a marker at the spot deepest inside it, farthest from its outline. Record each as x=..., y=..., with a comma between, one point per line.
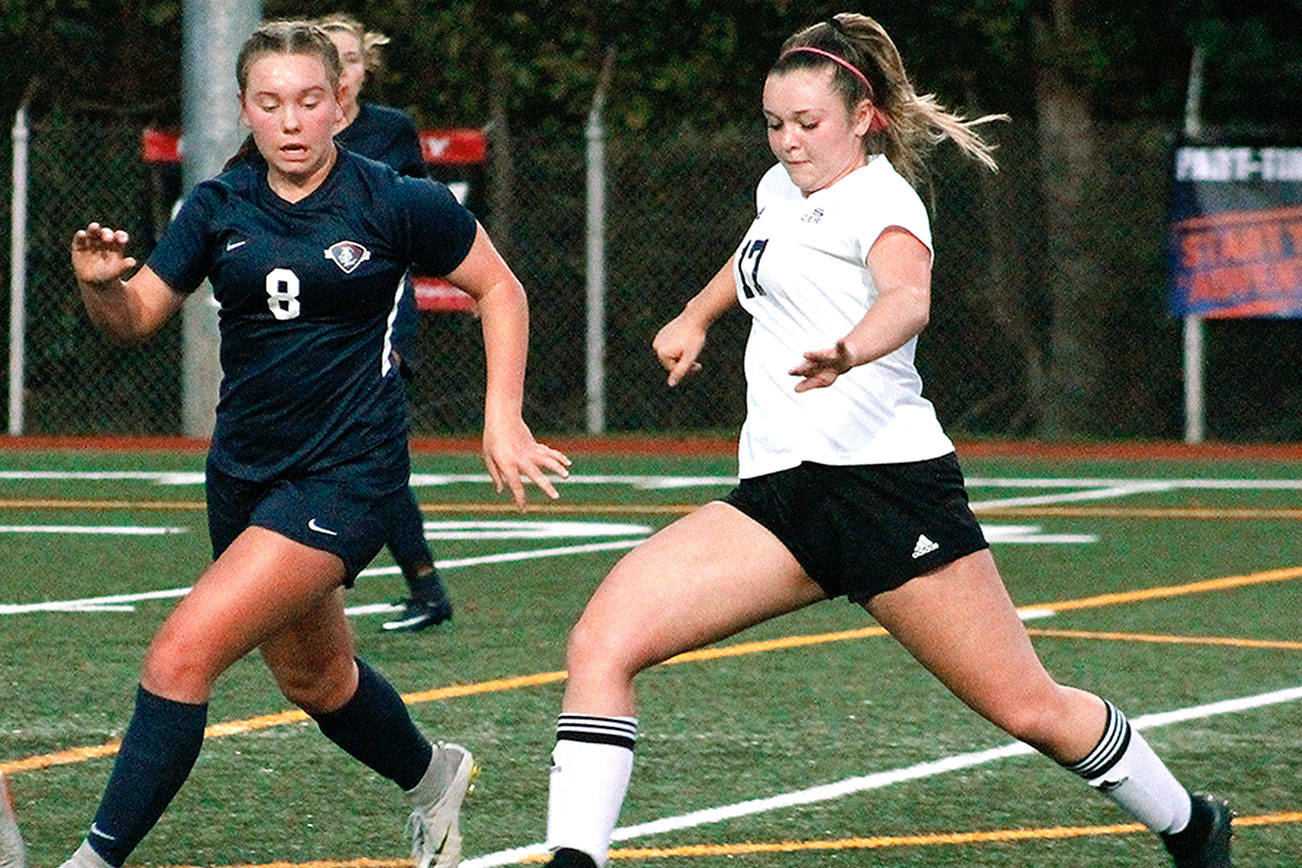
x=867, y=65
x=288, y=37
x=370, y=40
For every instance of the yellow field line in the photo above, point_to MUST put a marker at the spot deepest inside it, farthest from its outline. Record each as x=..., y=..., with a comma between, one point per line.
x=1203, y=513
x=754, y=847
x=81, y=754
x=282, y=718
x=1169, y=640
x=1203, y=587
x=940, y=839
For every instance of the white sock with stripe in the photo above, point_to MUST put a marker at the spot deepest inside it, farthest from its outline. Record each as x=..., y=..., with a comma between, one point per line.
x=591, y=766
x=1125, y=768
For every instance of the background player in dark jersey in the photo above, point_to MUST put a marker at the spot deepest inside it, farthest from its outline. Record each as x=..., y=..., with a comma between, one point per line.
x=387, y=134
x=305, y=245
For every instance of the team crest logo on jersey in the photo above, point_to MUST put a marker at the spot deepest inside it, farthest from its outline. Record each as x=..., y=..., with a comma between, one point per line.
x=347, y=255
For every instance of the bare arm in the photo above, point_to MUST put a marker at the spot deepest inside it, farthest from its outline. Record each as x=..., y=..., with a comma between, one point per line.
x=901, y=269
x=509, y=447
x=128, y=311
x=680, y=341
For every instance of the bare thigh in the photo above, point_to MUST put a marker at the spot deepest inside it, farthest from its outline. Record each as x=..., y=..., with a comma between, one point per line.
x=960, y=624
x=704, y=577
x=261, y=584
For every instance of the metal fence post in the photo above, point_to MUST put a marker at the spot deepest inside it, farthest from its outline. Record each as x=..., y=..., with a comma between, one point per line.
x=596, y=249
x=1195, y=410
x=212, y=33
x=18, y=273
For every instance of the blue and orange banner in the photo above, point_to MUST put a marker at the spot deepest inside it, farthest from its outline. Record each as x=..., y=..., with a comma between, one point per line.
x=1236, y=231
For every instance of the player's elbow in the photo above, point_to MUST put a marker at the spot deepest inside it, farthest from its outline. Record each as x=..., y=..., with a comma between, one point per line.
x=915, y=304
x=123, y=331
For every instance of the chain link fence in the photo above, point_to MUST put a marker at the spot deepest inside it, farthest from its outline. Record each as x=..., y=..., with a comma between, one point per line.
x=677, y=204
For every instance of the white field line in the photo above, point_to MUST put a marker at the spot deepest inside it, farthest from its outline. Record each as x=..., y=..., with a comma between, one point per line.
x=652, y=481
x=878, y=780
x=120, y=602
x=95, y=529
x=114, y=602
x=1107, y=493
x=1030, y=534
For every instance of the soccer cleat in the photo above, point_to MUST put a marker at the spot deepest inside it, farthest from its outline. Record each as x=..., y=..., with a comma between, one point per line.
x=435, y=831
x=1205, y=842
x=568, y=857
x=12, y=852
x=419, y=614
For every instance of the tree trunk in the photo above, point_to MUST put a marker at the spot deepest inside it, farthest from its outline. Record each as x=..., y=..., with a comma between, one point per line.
x=1070, y=167
x=1008, y=291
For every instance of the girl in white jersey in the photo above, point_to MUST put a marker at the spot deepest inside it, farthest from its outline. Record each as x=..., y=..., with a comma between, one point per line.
x=848, y=484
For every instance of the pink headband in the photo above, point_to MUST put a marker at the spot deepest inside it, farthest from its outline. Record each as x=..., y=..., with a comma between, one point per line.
x=838, y=60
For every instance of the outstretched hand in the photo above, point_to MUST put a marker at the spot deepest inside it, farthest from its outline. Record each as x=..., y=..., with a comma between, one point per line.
x=821, y=367
x=99, y=255
x=511, y=455
x=677, y=345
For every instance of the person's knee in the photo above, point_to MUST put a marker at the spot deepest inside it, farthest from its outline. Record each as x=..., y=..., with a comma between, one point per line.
x=180, y=668
x=598, y=650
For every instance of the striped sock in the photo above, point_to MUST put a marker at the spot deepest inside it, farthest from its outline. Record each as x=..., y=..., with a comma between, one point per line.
x=591, y=766
x=1125, y=768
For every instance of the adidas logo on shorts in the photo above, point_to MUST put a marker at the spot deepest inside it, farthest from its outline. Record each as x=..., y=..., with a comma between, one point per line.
x=924, y=546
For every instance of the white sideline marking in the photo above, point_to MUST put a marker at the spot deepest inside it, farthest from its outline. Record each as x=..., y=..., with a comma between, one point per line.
x=105, y=529
x=877, y=780
x=115, y=600
x=525, y=529
x=1108, y=493
x=653, y=481
x=503, y=557
x=1030, y=534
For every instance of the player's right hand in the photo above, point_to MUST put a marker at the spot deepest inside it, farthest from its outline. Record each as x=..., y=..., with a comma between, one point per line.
x=677, y=345
x=99, y=255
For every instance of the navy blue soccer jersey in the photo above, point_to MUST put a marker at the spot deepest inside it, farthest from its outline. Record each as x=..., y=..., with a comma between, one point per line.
x=308, y=292
x=385, y=134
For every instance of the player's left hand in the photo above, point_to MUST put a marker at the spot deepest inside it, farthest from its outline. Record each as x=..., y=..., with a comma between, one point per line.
x=821, y=367
x=512, y=455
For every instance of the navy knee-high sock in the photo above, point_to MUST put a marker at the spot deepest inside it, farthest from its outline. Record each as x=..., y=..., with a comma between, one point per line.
x=374, y=727
x=157, y=753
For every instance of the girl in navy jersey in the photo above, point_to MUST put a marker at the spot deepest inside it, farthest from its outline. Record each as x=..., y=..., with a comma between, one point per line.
x=388, y=135
x=848, y=484
x=305, y=245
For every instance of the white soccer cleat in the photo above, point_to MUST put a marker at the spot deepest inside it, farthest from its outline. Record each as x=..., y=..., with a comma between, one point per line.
x=12, y=852
x=435, y=831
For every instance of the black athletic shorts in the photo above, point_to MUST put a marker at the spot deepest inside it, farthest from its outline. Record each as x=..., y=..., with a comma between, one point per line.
x=862, y=529
x=334, y=512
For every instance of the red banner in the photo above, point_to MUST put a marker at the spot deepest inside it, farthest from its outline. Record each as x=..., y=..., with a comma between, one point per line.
x=456, y=146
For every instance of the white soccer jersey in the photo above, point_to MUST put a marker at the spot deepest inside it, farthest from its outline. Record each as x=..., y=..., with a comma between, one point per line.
x=801, y=274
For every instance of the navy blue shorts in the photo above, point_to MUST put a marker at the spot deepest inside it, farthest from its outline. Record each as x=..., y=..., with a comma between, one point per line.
x=334, y=512
x=863, y=529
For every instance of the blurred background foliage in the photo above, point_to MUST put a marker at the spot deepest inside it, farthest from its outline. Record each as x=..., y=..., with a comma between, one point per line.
x=1050, y=306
